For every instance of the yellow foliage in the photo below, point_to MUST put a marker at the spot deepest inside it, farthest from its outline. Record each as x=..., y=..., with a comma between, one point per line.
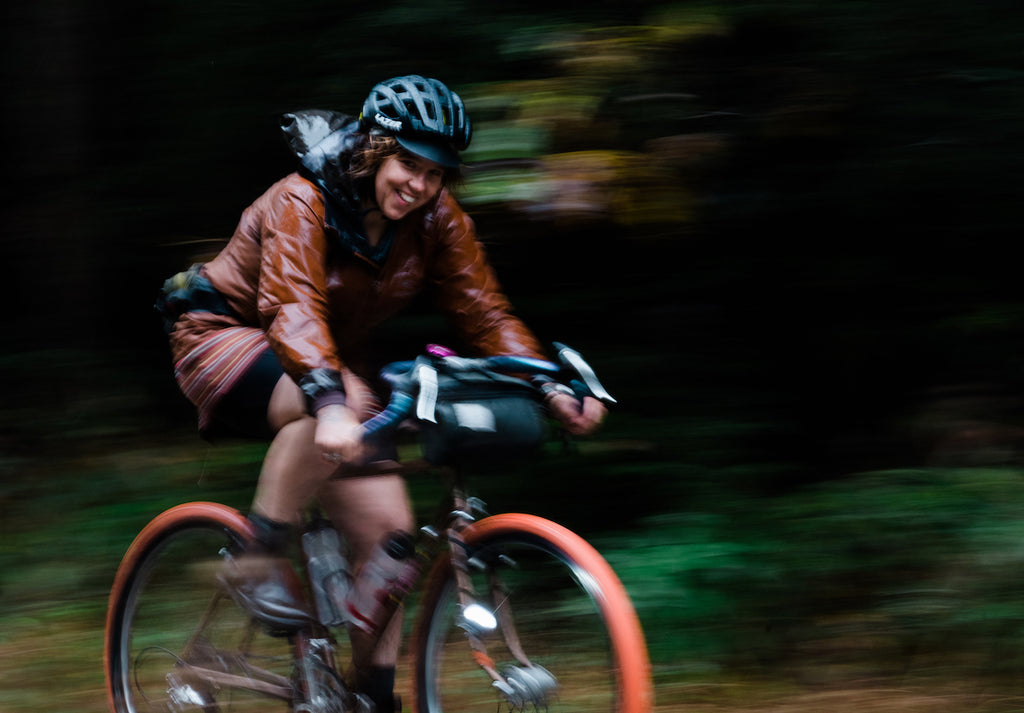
x=624, y=186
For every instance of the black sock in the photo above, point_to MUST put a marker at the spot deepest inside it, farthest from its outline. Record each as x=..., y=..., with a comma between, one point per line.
x=271, y=536
x=378, y=684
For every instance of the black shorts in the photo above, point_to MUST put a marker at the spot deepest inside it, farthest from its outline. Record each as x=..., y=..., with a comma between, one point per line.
x=242, y=411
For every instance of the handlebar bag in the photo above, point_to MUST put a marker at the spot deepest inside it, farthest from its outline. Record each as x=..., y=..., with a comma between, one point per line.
x=483, y=418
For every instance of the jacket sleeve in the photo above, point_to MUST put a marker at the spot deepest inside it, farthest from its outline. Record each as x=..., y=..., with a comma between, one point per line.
x=469, y=293
x=292, y=299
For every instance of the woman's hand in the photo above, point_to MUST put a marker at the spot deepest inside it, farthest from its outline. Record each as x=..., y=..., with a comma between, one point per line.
x=578, y=418
x=359, y=397
x=339, y=434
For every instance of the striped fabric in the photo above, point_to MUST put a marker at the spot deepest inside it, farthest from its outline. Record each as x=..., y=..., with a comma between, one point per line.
x=210, y=370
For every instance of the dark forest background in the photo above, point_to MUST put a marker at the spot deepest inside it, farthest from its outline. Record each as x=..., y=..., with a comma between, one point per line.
x=783, y=232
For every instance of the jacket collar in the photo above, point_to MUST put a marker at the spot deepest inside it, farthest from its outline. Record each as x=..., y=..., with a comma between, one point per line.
x=323, y=142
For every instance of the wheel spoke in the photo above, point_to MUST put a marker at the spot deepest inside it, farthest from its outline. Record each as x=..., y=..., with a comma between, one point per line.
x=179, y=644
x=567, y=661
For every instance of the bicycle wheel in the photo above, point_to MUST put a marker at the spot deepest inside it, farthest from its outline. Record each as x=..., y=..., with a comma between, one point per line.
x=174, y=641
x=575, y=623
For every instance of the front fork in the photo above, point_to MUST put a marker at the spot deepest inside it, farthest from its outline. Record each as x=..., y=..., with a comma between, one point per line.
x=522, y=685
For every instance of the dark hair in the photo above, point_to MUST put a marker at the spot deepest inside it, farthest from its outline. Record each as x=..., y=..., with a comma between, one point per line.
x=375, y=149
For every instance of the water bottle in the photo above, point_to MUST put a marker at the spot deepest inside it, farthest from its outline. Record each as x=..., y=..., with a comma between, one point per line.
x=388, y=574
x=328, y=572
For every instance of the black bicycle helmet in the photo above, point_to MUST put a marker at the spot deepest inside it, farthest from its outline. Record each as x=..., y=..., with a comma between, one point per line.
x=425, y=117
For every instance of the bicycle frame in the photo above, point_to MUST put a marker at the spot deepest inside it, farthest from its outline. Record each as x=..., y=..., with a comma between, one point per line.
x=313, y=647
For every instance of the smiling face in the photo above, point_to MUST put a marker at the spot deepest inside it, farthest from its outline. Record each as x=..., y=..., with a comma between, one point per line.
x=405, y=182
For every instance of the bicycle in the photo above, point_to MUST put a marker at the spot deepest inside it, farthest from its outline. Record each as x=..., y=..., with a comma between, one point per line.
x=514, y=610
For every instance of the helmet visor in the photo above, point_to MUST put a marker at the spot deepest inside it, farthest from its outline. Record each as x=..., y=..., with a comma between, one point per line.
x=434, y=151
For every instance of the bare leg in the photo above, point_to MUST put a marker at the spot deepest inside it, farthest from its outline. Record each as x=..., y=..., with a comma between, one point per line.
x=365, y=510
x=291, y=474
x=292, y=470
x=263, y=580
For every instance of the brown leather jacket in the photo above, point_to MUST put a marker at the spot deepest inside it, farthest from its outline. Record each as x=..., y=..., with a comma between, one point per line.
x=285, y=272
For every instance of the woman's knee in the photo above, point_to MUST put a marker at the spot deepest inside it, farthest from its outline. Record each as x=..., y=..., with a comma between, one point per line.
x=287, y=404
x=366, y=509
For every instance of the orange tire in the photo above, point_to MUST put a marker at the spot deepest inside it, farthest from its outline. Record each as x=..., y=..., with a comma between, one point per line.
x=118, y=662
x=558, y=628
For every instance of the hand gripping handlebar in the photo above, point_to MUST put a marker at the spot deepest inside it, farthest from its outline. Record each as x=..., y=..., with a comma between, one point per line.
x=414, y=383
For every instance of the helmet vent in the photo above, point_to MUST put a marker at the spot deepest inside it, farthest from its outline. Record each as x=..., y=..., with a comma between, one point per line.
x=420, y=107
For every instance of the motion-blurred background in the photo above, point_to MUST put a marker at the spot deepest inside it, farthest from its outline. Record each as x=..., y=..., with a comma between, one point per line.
x=783, y=232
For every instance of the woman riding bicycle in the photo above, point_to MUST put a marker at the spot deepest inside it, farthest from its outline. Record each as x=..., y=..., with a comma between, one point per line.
x=272, y=337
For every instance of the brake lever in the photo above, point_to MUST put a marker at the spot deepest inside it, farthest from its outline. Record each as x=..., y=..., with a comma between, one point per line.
x=574, y=360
